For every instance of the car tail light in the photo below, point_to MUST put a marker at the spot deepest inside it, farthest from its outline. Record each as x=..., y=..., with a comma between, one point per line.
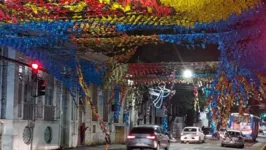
x=130, y=137
x=197, y=134
x=152, y=137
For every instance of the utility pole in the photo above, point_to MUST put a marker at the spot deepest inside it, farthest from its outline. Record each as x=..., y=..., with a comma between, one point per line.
x=39, y=90
x=32, y=124
x=34, y=78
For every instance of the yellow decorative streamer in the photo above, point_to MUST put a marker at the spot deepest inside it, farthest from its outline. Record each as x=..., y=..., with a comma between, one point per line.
x=188, y=12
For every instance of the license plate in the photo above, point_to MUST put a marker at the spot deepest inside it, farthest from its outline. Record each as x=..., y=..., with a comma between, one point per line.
x=140, y=144
x=231, y=141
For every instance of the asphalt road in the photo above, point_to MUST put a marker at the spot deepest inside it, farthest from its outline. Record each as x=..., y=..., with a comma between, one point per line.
x=209, y=145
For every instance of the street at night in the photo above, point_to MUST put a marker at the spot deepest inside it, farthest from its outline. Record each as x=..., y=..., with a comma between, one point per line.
x=132, y=74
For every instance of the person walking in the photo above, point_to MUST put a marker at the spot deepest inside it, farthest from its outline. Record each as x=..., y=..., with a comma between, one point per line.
x=82, y=130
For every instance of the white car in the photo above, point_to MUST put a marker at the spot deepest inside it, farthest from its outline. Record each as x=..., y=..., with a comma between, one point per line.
x=192, y=134
x=233, y=138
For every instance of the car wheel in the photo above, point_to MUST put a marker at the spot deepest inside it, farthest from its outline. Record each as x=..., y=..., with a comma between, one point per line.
x=242, y=146
x=222, y=145
x=128, y=148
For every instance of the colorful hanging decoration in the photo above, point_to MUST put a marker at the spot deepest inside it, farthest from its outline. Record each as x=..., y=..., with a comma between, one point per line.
x=93, y=108
x=165, y=124
x=196, y=98
x=165, y=111
x=117, y=102
x=159, y=93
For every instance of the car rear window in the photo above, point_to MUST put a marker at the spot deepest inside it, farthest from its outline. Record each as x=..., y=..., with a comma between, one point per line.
x=222, y=130
x=233, y=134
x=142, y=131
x=190, y=130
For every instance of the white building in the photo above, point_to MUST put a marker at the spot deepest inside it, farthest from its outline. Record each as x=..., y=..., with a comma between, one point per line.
x=57, y=116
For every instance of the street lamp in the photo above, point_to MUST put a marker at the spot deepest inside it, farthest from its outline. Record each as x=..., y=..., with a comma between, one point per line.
x=187, y=73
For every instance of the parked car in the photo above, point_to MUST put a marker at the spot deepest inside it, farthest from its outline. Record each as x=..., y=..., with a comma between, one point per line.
x=192, y=134
x=147, y=136
x=233, y=138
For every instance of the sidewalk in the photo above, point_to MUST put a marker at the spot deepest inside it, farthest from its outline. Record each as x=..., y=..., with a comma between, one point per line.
x=102, y=147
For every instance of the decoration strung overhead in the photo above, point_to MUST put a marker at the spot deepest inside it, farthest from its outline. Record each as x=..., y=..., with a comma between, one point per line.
x=159, y=93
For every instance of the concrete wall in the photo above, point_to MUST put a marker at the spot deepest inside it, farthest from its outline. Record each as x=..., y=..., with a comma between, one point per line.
x=38, y=137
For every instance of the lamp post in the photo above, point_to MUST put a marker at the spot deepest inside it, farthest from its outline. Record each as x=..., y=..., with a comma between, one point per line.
x=188, y=74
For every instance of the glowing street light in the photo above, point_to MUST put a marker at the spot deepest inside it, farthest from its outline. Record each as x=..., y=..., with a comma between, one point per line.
x=187, y=73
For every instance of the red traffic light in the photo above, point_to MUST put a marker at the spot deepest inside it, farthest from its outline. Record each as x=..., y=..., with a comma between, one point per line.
x=34, y=66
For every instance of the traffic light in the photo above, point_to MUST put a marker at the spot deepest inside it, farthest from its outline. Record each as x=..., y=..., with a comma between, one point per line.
x=34, y=71
x=41, y=87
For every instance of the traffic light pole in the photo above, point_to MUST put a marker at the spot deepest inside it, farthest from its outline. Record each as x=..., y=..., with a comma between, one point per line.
x=35, y=96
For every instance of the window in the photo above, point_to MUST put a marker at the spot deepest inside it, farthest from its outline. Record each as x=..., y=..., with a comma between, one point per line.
x=116, y=120
x=105, y=108
x=49, y=93
x=94, y=101
x=48, y=135
x=190, y=130
x=73, y=110
x=232, y=133
x=20, y=86
x=27, y=135
x=94, y=129
x=26, y=92
x=58, y=99
x=157, y=130
x=141, y=130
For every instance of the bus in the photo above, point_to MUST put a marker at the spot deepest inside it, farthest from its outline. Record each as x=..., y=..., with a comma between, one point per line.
x=248, y=124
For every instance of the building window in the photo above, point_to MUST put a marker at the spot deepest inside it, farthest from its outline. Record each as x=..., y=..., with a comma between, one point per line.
x=48, y=135
x=20, y=86
x=73, y=111
x=58, y=99
x=26, y=92
x=94, y=129
x=94, y=101
x=49, y=93
x=116, y=120
x=27, y=135
x=105, y=106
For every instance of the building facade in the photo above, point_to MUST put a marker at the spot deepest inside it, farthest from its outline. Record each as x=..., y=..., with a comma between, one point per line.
x=58, y=114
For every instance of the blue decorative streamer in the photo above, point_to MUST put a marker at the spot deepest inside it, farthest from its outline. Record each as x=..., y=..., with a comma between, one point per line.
x=117, y=103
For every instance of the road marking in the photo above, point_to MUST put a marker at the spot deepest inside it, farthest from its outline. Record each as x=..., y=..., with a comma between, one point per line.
x=263, y=147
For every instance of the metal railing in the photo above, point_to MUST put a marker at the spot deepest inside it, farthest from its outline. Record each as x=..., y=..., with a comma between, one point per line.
x=28, y=111
x=41, y=112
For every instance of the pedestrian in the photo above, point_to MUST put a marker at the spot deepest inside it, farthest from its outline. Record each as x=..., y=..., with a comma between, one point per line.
x=82, y=130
